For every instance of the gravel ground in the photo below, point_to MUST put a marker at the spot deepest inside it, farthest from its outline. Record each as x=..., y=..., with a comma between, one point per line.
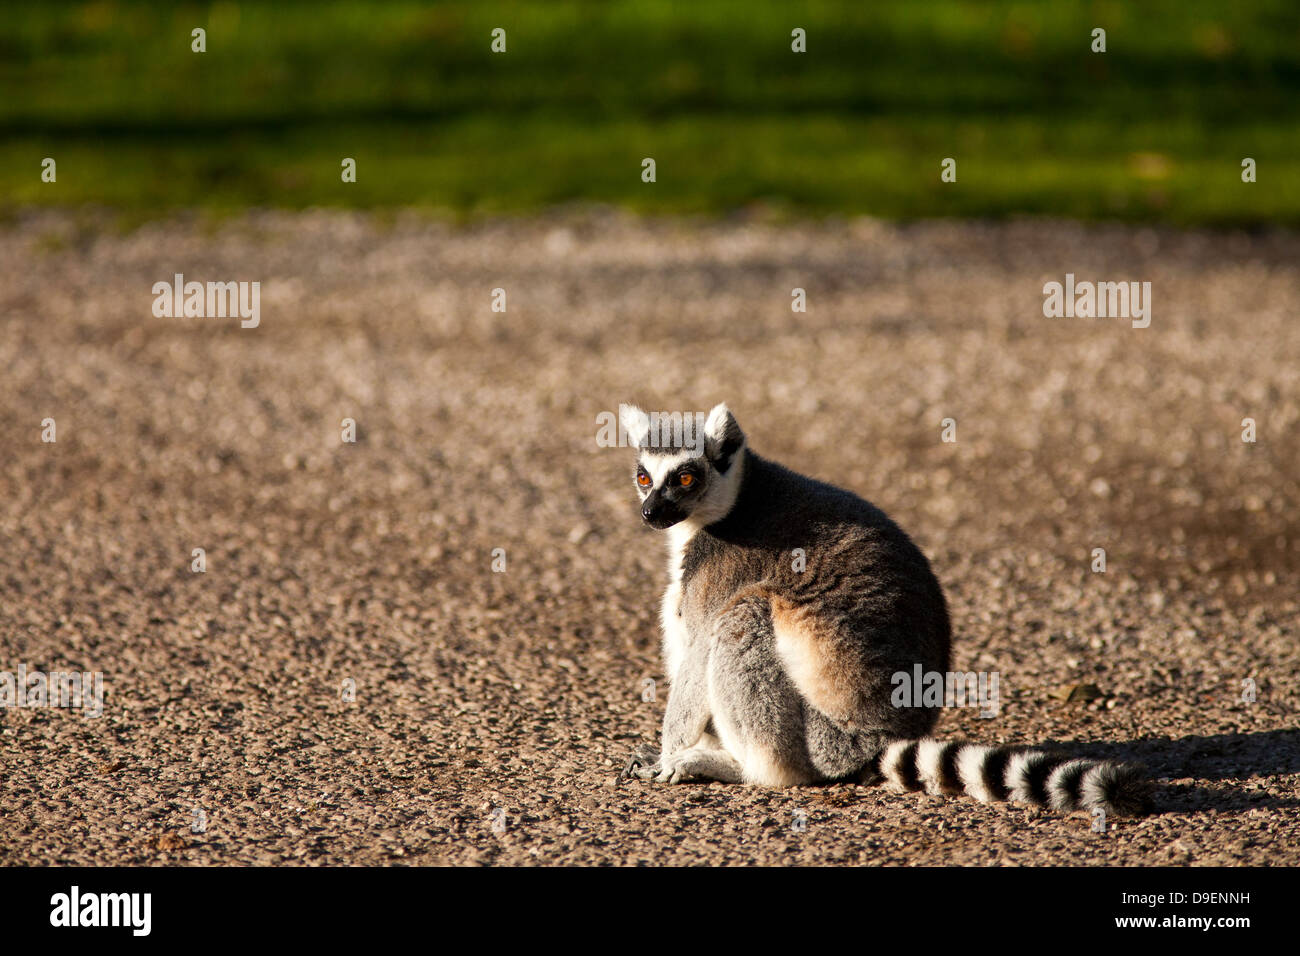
x=493, y=710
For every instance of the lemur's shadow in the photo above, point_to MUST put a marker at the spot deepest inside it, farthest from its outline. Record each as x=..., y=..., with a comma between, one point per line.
x=1217, y=757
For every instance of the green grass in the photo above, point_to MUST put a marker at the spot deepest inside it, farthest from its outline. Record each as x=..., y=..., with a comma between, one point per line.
x=1154, y=129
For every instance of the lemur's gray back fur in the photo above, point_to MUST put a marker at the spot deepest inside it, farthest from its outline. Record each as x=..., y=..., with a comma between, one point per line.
x=791, y=605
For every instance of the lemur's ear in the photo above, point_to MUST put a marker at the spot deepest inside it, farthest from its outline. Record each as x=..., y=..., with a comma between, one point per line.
x=636, y=423
x=722, y=437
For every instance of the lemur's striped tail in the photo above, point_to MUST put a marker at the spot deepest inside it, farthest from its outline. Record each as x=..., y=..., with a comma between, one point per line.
x=1021, y=774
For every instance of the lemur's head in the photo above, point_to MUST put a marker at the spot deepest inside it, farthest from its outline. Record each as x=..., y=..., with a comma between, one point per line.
x=688, y=466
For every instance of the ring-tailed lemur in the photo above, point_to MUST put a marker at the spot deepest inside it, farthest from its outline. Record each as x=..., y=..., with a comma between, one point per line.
x=783, y=676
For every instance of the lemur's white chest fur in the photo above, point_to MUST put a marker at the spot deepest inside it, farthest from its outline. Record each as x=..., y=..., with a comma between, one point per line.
x=675, y=637
x=674, y=628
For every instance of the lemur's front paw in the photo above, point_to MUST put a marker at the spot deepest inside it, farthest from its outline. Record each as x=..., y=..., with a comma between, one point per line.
x=643, y=764
x=674, y=768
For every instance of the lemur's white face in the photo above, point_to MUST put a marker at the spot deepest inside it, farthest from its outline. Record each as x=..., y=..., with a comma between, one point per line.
x=672, y=486
x=695, y=484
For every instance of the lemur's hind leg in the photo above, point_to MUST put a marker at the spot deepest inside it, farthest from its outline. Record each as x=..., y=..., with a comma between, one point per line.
x=735, y=715
x=839, y=754
x=757, y=711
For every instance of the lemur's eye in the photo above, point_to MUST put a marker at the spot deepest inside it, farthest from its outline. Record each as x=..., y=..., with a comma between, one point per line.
x=686, y=480
x=643, y=480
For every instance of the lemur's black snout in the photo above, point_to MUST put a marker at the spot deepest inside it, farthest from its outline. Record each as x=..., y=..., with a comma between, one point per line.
x=660, y=513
